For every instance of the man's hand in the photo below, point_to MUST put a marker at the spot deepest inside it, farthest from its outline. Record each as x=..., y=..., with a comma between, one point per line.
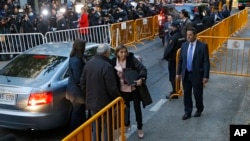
x=204, y=81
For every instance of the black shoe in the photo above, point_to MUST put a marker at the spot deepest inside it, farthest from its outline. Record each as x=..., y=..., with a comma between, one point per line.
x=197, y=114
x=186, y=116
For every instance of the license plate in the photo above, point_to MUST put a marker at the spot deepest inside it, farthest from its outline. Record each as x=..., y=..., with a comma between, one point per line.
x=9, y=99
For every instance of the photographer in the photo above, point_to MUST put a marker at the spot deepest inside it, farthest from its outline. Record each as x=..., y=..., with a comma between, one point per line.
x=106, y=4
x=29, y=12
x=5, y=11
x=71, y=18
x=3, y=25
x=94, y=17
x=42, y=25
x=107, y=17
x=27, y=25
x=120, y=15
x=141, y=13
x=52, y=20
x=61, y=22
x=132, y=13
x=125, y=5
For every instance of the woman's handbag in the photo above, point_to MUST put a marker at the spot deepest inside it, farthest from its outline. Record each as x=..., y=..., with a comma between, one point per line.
x=130, y=76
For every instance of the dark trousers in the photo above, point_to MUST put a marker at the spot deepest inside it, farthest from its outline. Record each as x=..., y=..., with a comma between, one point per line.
x=197, y=87
x=78, y=115
x=172, y=73
x=135, y=97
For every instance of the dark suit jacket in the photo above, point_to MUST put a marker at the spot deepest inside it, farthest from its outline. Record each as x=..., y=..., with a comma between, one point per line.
x=200, y=65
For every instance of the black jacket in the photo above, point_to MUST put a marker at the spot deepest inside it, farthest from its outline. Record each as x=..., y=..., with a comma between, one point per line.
x=173, y=45
x=98, y=80
x=133, y=63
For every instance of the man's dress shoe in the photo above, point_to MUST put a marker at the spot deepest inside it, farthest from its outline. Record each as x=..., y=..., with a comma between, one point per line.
x=186, y=116
x=197, y=114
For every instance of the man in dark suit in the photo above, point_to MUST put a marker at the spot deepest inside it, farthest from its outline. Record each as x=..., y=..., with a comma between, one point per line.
x=194, y=68
x=170, y=51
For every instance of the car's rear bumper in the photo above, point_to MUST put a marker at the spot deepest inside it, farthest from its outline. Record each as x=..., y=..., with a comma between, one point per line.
x=21, y=120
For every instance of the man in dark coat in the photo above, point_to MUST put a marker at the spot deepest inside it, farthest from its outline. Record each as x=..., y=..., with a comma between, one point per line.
x=99, y=83
x=186, y=22
x=207, y=20
x=170, y=54
x=99, y=80
x=197, y=23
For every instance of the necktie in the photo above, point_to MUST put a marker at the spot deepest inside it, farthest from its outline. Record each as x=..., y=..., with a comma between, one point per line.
x=190, y=58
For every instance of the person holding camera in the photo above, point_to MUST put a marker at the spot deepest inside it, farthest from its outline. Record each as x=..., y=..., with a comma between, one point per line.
x=27, y=26
x=120, y=15
x=94, y=17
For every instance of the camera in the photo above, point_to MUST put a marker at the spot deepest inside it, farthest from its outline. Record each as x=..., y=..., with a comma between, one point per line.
x=105, y=12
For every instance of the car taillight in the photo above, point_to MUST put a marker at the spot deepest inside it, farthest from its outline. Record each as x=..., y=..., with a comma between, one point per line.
x=40, y=98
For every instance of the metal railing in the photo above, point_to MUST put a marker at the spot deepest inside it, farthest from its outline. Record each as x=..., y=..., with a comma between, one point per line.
x=106, y=125
x=18, y=43
x=97, y=34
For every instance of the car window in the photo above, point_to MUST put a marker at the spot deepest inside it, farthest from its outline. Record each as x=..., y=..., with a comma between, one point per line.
x=33, y=66
x=89, y=53
x=187, y=8
x=66, y=74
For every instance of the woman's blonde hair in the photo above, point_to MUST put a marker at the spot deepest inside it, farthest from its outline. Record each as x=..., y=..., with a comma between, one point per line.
x=120, y=47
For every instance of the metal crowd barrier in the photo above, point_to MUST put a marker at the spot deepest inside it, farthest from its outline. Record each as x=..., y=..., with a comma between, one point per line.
x=97, y=34
x=109, y=123
x=216, y=36
x=129, y=33
x=123, y=33
x=234, y=58
x=144, y=29
x=178, y=85
x=17, y=43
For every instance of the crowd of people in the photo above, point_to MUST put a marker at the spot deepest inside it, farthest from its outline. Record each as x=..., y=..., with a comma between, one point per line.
x=176, y=33
x=53, y=15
